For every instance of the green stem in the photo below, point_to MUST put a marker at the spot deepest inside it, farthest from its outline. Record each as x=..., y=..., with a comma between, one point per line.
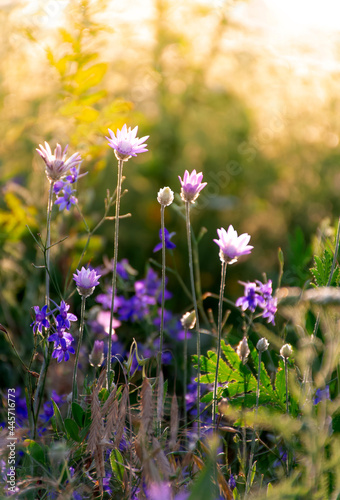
x=80, y=339
x=161, y=331
x=252, y=450
x=287, y=407
x=114, y=272
x=219, y=333
x=185, y=356
x=47, y=348
x=193, y=291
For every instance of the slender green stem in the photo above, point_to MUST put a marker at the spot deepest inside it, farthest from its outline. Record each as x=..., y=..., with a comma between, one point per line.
x=80, y=339
x=219, y=333
x=193, y=291
x=47, y=348
x=287, y=407
x=161, y=330
x=252, y=449
x=185, y=381
x=114, y=272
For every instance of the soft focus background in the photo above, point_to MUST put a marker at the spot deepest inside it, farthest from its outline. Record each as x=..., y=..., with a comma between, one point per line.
x=246, y=92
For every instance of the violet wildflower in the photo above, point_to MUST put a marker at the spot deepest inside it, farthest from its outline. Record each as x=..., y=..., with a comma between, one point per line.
x=64, y=317
x=86, y=281
x=61, y=338
x=63, y=353
x=191, y=186
x=56, y=164
x=96, y=357
x=322, y=395
x=65, y=198
x=126, y=144
x=40, y=319
x=231, y=245
x=167, y=238
x=251, y=299
x=270, y=310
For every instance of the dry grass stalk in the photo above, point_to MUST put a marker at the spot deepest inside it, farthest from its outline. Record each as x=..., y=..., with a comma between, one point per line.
x=121, y=417
x=111, y=420
x=162, y=461
x=160, y=397
x=109, y=401
x=174, y=421
x=146, y=408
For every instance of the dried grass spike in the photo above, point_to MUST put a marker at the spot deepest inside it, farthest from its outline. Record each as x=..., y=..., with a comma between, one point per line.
x=173, y=422
x=162, y=461
x=146, y=407
x=109, y=401
x=96, y=428
x=122, y=415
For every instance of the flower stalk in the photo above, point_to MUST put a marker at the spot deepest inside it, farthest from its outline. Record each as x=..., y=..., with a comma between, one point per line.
x=114, y=271
x=193, y=291
x=219, y=333
x=80, y=339
x=161, y=330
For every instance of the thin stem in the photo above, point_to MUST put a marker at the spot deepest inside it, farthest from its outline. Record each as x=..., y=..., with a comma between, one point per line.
x=185, y=356
x=114, y=272
x=188, y=227
x=161, y=331
x=47, y=348
x=287, y=406
x=219, y=334
x=80, y=339
x=252, y=450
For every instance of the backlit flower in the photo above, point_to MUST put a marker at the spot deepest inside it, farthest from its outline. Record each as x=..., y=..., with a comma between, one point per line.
x=286, y=351
x=231, y=245
x=126, y=144
x=243, y=350
x=191, y=186
x=165, y=196
x=56, y=164
x=96, y=357
x=86, y=281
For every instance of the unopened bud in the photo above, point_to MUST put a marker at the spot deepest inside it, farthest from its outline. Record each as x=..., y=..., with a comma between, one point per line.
x=243, y=350
x=223, y=406
x=286, y=351
x=165, y=196
x=188, y=320
x=262, y=345
x=96, y=357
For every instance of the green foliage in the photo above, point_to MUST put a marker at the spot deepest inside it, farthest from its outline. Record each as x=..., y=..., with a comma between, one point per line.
x=322, y=270
x=240, y=381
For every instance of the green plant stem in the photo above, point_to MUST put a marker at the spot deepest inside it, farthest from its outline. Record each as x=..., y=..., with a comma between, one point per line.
x=287, y=407
x=114, y=272
x=47, y=348
x=161, y=330
x=252, y=449
x=219, y=335
x=193, y=291
x=185, y=381
x=80, y=339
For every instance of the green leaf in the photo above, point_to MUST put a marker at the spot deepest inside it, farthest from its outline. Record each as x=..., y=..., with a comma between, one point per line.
x=116, y=461
x=58, y=417
x=72, y=429
x=35, y=451
x=78, y=414
x=322, y=270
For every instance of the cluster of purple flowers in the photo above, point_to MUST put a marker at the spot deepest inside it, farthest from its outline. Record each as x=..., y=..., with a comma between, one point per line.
x=259, y=295
x=61, y=323
x=63, y=189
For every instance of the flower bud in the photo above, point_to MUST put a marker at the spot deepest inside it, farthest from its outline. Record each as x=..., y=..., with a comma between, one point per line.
x=243, y=350
x=223, y=406
x=286, y=351
x=262, y=344
x=96, y=357
x=188, y=320
x=165, y=196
